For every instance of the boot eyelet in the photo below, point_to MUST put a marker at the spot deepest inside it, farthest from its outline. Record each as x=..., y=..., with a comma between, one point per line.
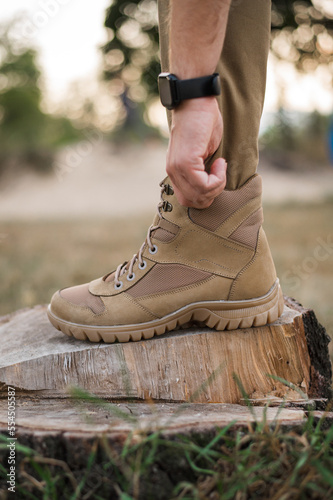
x=168, y=190
x=130, y=277
x=119, y=285
x=143, y=265
x=167, y=207
x=153, y=250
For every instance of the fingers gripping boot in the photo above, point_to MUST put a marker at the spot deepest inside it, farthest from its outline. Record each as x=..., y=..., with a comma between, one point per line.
x=213, y=266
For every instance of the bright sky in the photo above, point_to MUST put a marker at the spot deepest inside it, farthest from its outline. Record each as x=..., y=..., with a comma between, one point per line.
x=69, y=32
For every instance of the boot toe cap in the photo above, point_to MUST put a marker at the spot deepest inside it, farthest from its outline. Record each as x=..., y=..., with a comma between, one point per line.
x=76, y=304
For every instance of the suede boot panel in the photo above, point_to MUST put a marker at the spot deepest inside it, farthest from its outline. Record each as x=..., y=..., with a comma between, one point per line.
x=113, y=313
x=247, y=232
x=134, y=312
x=194, y=245
x=204, y=251
x=258, y=276
x=214, y=288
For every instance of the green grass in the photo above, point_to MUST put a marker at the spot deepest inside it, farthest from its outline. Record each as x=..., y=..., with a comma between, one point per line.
x=37, y=258
x=257, y=462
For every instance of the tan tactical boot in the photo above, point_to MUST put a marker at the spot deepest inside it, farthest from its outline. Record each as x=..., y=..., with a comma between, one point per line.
x=213, y=266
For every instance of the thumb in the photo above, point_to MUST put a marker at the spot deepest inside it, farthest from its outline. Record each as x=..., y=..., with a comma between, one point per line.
x=219, y=171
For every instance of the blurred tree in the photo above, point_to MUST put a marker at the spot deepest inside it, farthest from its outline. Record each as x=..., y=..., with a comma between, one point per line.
x=27, y=134
x=302, y=32
x=132, y=52
x=131, y=61
x=297, y=140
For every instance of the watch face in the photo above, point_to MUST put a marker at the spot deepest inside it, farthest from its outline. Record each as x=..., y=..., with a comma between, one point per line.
x=165, y=92
x=166, y=83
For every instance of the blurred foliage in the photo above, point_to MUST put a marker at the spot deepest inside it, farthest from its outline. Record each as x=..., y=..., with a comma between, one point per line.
x=28, y=136
x=297, y=139
x=132, y=54
x=133, y=125
x=131, y=62
x=302, y=32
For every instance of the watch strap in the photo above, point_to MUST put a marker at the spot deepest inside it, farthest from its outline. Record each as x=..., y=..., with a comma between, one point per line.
x=203, y=86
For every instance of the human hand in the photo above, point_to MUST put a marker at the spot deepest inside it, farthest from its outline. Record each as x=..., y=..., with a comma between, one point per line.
x=196, y=133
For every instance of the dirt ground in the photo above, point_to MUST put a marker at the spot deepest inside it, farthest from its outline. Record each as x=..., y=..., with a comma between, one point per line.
x=103, y=180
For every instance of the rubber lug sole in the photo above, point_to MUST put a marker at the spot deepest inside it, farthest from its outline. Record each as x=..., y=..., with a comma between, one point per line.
x=218, y=315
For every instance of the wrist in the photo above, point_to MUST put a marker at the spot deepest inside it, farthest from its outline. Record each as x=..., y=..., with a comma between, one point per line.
x=198, y=104
x=195, y=113
x=173, y=90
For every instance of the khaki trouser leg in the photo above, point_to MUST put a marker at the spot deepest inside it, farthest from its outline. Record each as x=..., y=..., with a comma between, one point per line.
x=242, y=67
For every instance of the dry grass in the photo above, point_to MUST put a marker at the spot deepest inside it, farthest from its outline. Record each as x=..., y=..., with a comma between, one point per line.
x=37, y=258
x=296, y=232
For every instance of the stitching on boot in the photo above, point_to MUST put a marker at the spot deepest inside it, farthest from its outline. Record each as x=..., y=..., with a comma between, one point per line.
x=247, y=266
x=237, y=212
x=141, y=306
x=247, y=231
x=165, y=277
x=176, y=290
x=246, y=216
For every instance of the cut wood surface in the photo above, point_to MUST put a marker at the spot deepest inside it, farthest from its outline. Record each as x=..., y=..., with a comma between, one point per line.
x=195, y=364
x=54, y=415
x=66, y=433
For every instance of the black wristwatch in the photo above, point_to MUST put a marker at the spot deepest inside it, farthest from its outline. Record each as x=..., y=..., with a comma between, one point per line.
x=173, y=91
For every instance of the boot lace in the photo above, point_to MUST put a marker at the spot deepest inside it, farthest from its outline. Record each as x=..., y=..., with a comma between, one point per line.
x=127, y=267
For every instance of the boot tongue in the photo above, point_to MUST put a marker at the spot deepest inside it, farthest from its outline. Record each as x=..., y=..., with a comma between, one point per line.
x=109, y=277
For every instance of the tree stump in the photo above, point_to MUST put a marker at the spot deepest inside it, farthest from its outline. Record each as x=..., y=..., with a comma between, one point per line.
x=190, y=365
x=179, y=384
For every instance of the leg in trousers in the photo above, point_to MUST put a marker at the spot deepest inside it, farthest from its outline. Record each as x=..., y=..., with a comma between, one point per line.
x=242, y=68
x=212, y=265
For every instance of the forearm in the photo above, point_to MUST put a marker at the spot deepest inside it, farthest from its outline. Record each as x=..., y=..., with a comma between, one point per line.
x=197, y=31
